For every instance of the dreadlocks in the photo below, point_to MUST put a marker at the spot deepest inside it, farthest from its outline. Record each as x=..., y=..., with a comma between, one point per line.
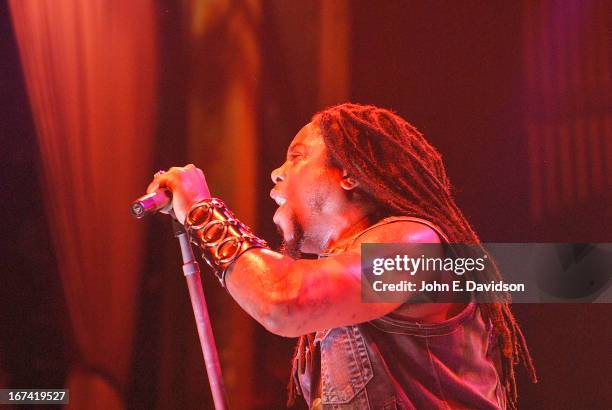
x=402, y=174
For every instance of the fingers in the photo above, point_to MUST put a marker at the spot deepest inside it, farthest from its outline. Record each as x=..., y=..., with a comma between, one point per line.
x=160, y=179
x=153, y=186
x=188, y=186
x=168, y=179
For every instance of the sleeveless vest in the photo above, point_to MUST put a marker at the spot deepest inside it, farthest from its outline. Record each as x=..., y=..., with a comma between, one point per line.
x=395, y=363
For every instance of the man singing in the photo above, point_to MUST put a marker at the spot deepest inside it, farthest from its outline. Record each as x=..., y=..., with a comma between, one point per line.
x=357, y=174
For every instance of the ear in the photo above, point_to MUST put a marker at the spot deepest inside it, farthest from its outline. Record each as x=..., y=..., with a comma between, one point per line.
x=348, y=182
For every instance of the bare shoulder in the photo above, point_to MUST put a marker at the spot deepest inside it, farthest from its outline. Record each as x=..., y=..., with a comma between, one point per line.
x=399, y=231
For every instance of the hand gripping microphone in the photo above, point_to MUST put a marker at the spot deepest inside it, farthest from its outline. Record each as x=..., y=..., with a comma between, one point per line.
x=160, y=200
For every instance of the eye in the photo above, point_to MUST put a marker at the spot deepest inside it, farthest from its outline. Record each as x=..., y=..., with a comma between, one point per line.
x=294, y=155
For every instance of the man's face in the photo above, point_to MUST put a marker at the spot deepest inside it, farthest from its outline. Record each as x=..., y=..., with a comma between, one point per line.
x=308, y=191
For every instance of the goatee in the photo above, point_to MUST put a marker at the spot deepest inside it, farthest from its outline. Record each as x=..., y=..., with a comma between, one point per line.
x=292, y=247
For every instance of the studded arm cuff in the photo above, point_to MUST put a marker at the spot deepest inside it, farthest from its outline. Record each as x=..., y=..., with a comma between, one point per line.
x=220, y=236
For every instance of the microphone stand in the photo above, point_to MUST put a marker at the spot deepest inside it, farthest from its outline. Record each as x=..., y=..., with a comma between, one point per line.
x=191, y=270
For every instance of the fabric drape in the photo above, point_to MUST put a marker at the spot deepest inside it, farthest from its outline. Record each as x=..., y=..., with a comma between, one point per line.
x=90, y=70
x=567, y=118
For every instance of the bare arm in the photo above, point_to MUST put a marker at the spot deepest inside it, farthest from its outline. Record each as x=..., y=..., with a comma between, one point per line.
x=293, y=297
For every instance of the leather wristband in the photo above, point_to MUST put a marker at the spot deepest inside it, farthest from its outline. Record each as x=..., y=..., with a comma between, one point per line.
x=220, y=236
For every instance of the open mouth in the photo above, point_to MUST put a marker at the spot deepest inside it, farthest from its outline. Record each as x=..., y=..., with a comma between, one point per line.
x=278, y=210
x=280, y=201
x=277, y=197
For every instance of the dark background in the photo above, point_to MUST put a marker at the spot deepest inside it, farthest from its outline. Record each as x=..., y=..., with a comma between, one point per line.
x=457, y=73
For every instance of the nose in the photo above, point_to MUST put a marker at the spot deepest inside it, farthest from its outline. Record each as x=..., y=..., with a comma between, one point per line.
x=277, y=174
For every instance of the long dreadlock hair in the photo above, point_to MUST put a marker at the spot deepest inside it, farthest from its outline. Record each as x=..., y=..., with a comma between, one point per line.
x=402, y=174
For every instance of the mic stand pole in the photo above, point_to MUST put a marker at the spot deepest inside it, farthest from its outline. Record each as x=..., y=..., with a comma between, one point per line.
x=191, y=269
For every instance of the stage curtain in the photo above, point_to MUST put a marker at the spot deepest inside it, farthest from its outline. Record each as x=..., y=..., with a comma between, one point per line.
x=567, y=99
x=221, y=121
x=90, y=70
x=334, y=53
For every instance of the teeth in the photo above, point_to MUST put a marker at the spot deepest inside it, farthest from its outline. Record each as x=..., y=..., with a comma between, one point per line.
x=278, y=198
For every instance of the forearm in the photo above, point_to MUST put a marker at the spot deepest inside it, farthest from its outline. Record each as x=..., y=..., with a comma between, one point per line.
x=263, y=282
x=266, y=285
x=288, y=297
x=294, y=297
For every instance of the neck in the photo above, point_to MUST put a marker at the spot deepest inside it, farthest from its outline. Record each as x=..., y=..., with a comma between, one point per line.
x=339, y=230
x=345, y=238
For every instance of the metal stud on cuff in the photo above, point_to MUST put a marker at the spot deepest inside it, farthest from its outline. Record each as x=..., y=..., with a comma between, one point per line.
x=219, y=235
